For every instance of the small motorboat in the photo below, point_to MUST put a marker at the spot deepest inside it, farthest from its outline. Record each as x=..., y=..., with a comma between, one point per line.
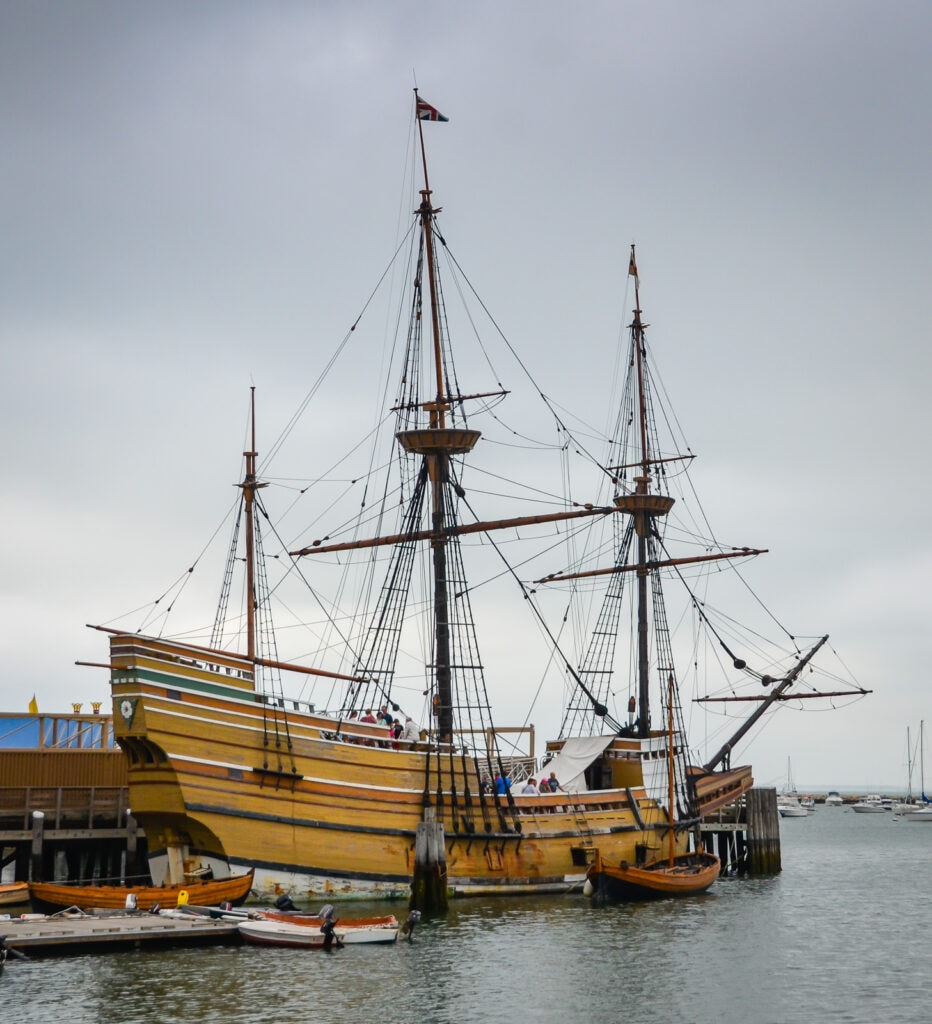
x=311, y=931
x=790, y=806
x=872, y=804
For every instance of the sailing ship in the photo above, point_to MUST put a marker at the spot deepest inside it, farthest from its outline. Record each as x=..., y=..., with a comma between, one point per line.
x=226, y=771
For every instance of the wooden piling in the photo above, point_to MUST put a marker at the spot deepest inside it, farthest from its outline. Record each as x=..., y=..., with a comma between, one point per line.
x=429, y=885
x=35, y=852
x=763, y=822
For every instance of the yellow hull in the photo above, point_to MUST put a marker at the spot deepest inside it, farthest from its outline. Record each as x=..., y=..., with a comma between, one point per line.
x=219, y=776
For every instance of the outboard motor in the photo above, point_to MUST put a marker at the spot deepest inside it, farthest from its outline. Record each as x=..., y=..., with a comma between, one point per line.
x=408, y=927
x=328, y=928
x=285, y=902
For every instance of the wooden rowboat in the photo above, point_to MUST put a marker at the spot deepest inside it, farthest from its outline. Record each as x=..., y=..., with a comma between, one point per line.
x=689, y=874
x=49, y=897
x=14, y=893
x=683, y=874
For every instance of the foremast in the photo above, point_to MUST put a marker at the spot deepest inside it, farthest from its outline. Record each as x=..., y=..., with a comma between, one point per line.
x=639, y=552
x=643, y=507
x=249, y=486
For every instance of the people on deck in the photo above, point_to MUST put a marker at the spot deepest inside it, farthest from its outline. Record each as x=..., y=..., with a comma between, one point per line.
x=502, y=784
x=352, y=718
x=553, y=783
x=410, y=733
x=529, y=787
x=369, y=719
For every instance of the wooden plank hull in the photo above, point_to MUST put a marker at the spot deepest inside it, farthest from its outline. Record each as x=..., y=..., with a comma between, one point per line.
x=220, y=776
x=49, y=897
x=14, y=893
x=690, y=874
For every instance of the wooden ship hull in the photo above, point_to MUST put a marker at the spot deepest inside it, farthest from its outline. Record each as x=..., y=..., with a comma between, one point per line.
x=688, y=875
x=49, y=897
x=220, y=776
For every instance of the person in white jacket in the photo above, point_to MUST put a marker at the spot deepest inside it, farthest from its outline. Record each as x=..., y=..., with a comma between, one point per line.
x=410, y=733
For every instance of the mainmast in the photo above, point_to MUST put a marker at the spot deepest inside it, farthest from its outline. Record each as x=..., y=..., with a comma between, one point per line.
x=432, y=428
x=436, y=444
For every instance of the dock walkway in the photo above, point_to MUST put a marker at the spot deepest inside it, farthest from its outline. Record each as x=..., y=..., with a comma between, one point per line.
x=97, y=933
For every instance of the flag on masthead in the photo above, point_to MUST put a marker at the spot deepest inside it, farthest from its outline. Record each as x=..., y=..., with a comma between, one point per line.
x=425, y=112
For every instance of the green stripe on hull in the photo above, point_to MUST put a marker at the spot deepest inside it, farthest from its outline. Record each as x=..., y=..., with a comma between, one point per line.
x=173, y=682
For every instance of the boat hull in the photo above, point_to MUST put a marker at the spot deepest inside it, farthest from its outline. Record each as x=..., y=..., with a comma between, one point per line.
x=49, y=897
x=872, y=804
x=690, y=874
x=221, y=777
x=309, y=935
x=14, y=893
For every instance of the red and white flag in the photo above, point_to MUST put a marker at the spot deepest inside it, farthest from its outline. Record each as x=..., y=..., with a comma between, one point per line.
x=425, y=112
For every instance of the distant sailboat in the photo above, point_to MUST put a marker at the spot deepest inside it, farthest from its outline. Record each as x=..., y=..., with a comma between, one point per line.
x=909, y=804
x=923, y=812
x=788, y=802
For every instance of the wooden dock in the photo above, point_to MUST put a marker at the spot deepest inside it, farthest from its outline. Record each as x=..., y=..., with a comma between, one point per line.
x=98, y=933
x=746, y=836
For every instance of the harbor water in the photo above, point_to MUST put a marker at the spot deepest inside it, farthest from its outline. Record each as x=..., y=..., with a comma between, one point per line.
x=844, y=934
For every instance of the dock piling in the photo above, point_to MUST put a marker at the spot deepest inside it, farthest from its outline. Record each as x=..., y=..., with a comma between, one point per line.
x=429, y=885
x=763, y=832
x=35, y=851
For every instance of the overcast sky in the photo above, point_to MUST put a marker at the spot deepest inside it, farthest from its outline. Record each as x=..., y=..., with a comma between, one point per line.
x=200, y=197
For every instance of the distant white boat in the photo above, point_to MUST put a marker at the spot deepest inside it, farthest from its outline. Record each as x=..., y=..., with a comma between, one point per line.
x=909, y=804
x=788, y=802
x=790, y=807
x=922, y=811
x=872, y=804
x=833, y=799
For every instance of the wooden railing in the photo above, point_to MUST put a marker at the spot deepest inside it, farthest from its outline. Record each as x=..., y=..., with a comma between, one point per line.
x=64, y=807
